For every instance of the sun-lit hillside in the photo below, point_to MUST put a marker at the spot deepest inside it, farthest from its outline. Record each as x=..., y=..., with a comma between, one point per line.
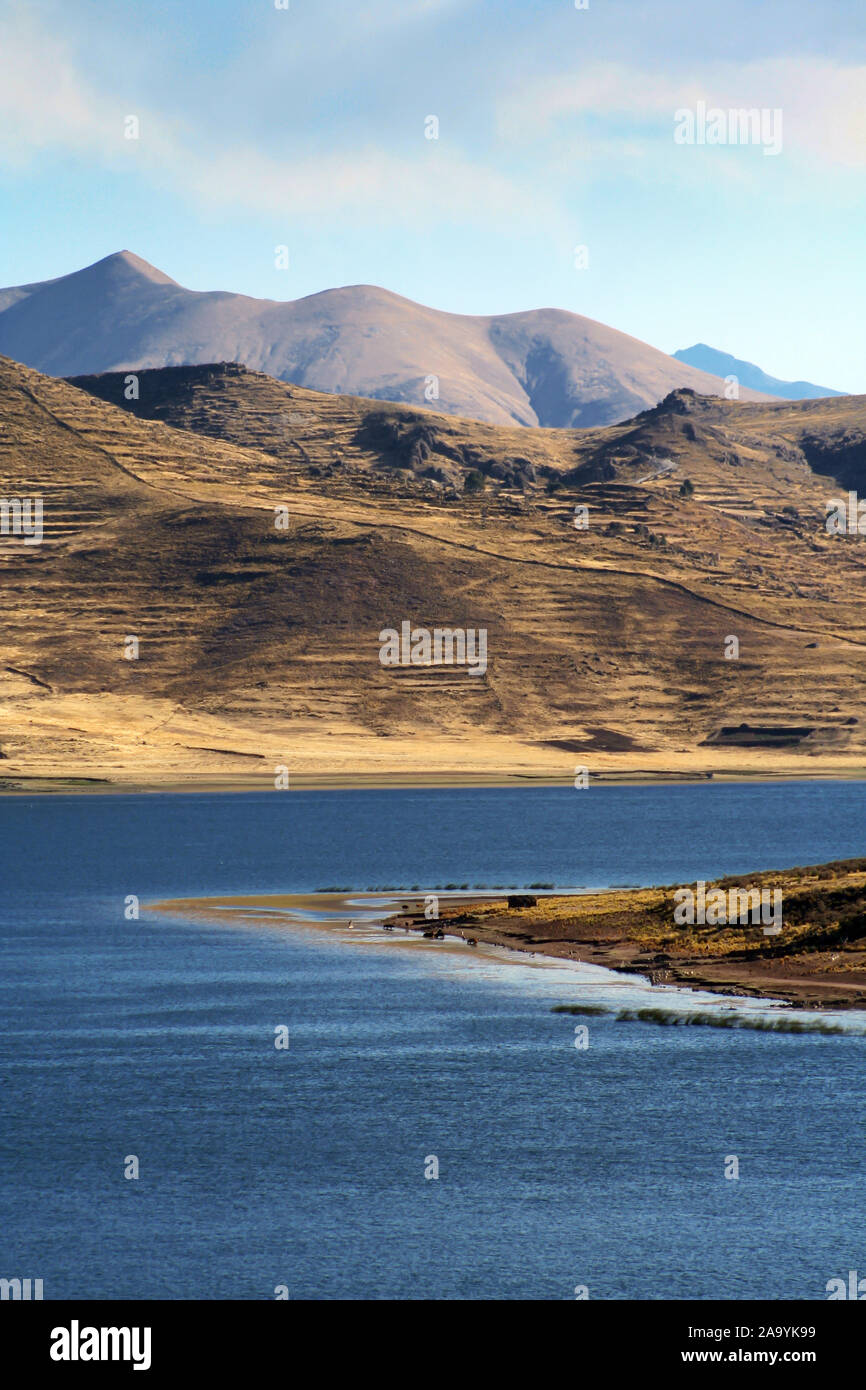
x=259, y=646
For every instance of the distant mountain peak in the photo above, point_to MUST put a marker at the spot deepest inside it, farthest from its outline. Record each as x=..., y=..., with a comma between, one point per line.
x=129, y=262
x=724, y=364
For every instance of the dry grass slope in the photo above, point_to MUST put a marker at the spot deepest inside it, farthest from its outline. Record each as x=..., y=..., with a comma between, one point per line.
x=260, y=647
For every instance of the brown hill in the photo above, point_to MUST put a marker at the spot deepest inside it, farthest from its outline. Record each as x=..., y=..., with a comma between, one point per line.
x=542, y=367
x=260, y=647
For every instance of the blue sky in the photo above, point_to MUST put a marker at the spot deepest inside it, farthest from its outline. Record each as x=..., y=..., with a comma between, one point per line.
x=305, y=127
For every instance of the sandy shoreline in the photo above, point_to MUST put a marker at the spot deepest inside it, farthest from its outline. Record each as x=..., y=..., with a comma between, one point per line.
x=207, y=785
x=817, y=962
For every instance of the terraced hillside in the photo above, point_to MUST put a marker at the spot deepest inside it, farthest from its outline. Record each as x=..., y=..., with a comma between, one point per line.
x=258, y=647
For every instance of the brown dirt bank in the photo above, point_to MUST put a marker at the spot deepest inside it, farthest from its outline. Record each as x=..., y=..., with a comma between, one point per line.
x=817, y=961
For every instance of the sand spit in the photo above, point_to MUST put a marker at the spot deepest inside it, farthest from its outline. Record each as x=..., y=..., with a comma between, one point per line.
x=816, y=961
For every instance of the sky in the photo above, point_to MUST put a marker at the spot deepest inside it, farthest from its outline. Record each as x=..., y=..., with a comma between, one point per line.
x=307, y=127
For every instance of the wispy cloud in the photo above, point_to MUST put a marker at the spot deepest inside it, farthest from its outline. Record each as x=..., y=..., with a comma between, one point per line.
x=48, y=103
x=821, y=101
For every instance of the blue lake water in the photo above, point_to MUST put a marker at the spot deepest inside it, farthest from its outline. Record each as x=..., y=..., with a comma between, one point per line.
x=558, y=1167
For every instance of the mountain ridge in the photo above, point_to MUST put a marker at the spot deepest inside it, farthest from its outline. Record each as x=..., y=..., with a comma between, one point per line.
x=547, y=367
x=724, y=364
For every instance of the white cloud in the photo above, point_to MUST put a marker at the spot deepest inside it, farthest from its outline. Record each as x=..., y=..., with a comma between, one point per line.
x=822, y=102
x=48, y=104
x=370, y=181
x=400, y=12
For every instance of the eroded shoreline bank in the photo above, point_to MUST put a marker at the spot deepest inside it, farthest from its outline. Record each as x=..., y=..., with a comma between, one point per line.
x=816, y=961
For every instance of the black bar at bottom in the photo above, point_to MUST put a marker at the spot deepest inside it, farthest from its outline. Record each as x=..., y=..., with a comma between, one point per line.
x=165, y=1340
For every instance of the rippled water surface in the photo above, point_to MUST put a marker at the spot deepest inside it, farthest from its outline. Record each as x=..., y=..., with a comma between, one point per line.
x=558, y=1166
